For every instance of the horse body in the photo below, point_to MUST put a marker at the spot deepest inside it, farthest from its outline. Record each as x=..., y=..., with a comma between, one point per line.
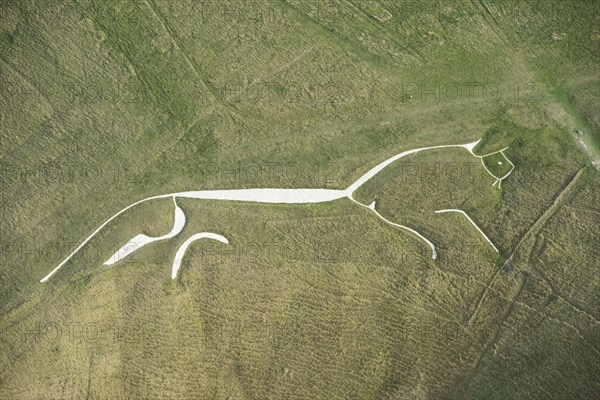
x=262, y=195
x=266, y=195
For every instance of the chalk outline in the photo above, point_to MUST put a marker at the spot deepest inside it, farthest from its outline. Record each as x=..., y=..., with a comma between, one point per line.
x=299, y=196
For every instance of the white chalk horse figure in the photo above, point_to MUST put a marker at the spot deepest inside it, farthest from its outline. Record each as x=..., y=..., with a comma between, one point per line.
x=266, y=195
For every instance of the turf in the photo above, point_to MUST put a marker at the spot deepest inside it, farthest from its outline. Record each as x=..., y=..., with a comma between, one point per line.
x=104, y=103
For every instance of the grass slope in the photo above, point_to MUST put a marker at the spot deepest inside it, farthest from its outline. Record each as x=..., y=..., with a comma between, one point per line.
x=104, y=103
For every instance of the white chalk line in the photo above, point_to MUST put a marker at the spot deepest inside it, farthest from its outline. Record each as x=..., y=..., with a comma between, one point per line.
x=472, y=222
x=44, y=279
x=278, y=196
x=498, y=180
x=141, y=240
x=372, y=208
x=183, y=248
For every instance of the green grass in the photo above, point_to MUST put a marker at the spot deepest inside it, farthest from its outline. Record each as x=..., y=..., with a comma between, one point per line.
x=104, y=103
x=497, y=165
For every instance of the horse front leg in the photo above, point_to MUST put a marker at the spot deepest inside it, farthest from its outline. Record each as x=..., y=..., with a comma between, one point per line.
x=371, y=207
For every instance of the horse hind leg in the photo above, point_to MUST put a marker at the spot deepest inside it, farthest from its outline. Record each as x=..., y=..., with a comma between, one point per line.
x=183, y=248
x=141, y=240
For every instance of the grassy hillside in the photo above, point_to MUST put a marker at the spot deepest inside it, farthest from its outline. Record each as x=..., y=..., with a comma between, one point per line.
x=103, y=103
